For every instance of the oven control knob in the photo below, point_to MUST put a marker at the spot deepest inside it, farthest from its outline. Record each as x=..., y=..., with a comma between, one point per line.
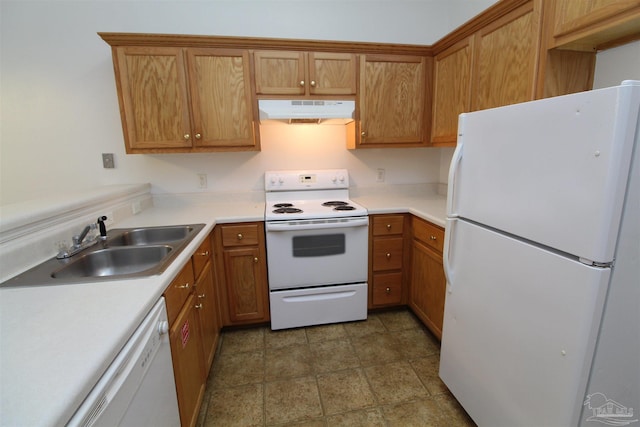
x=341, y=178
x=273, y=180
x=334, y=178
x=280, y=180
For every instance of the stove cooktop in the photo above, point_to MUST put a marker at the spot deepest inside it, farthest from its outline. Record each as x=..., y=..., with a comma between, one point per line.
x=309, y=209
x=309, y=194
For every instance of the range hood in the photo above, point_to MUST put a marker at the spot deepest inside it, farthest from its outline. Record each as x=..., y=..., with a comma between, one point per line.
x=306, y=111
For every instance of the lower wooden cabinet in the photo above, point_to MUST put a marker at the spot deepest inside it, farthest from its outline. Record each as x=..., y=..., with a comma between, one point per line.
x=387, y=260
x=194, y=320
x=207, y=302
x=241, y=262
x=428, y=282
x=188, y=362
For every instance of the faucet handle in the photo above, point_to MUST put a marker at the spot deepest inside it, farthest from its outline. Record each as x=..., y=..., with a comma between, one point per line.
x=103, y=228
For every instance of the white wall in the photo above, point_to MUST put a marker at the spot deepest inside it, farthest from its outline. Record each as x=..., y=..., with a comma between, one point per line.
x=60, y=112
x=617, y=64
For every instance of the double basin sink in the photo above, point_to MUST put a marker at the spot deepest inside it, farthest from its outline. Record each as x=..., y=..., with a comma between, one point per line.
x=126, y=253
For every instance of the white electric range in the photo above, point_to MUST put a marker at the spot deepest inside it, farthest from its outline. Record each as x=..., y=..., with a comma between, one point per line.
x=317, y=248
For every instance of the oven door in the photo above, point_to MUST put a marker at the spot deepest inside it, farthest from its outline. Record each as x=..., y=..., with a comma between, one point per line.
x=316, y=252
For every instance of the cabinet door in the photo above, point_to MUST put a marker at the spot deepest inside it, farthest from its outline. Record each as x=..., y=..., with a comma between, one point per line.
x=428, y=285
x=188, y=364
x=332, y=73
x=208, y=315
x=392, y=100
x=178, y=291
x=246, y=284
x=153, y=97
x=505, y=59
x=219, y=82
x=452, y=91
x=387, y=253
x=279, y=73
x=589, y=16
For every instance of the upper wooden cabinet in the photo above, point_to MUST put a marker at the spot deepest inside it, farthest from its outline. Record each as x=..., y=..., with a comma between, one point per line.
x=305, y=73
x=394, y=101
x=494, y=66
x=505, y=61
x=593, y=24
x=451, y=91
x=185, y=100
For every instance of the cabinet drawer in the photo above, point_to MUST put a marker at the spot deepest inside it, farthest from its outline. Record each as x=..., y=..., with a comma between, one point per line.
x=387, y=288
x=387, y=254
x=431, y=235
x=201, y=256
x=177, y=292
x=240, y=235
x=387, y=225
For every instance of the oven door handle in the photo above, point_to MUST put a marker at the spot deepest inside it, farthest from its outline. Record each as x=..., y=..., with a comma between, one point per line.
x=316, y=224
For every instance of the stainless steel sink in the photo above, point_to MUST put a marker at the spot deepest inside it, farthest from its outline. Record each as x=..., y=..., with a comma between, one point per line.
x=127, y=253
x=151, y=235
x=115, y=262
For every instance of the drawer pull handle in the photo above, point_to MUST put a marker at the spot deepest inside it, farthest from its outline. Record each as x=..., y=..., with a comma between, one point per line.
x=388, y=256
x=255, y=260
x=388, y=290
x=240, y=236
x=185, y=286
x=201, y=295
x=198, y=306
x=388, y=226
x=434, y=238
x=205, y=253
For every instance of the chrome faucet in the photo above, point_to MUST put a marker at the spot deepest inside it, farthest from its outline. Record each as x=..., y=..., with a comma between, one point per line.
x=79, y=242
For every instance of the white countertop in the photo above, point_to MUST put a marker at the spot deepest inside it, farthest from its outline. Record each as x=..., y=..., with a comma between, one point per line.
x=56, y=341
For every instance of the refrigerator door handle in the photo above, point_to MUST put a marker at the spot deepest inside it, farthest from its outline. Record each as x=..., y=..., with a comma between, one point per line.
x=453, y=169
x=446, y=254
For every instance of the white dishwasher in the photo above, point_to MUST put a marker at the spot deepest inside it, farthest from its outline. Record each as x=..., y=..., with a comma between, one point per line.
x=138, y=388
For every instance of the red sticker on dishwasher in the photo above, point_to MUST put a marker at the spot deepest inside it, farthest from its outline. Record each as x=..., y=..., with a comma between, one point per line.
x=185, y=334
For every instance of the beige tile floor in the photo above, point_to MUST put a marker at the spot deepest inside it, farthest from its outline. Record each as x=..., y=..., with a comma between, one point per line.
x=378, y=372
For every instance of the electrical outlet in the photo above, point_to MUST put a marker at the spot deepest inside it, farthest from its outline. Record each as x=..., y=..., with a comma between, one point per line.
x=202, y=180
x=380, y=175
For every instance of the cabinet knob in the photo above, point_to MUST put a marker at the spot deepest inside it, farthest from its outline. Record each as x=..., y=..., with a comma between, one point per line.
x=205, y=253
x=198, y=136
x=163, y=327
x=433, y=238
x=301, y=82
x=388, y=290
x=255, y=260
x=388, y=226
x=388, y=256
x=201, y=296
x=313, y=83
x=185, y=286
x=363, y=134
x=187, y=136
x=240, y=236
x=198, y=306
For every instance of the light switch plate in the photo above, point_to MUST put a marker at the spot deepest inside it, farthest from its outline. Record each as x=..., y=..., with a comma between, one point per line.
x=107, y=161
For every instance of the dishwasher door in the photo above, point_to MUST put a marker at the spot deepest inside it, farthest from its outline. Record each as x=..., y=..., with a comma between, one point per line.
x=138, y=388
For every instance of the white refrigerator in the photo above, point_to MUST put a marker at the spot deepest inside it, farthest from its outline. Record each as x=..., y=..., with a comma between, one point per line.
x=542, y=259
